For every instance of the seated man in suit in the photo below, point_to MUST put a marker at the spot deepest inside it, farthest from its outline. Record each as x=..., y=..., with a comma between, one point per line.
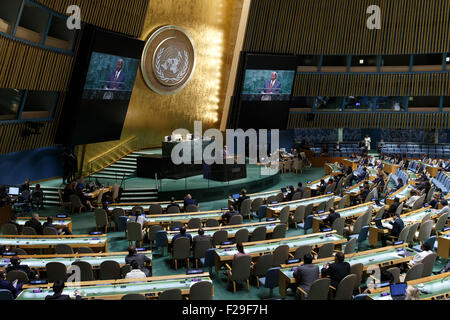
x=14, y=222
x=37, y=197
x=364, y=193
x=231, y=212
x=242, y=197
x=58, y=288
x=61, y=231
x=201, y=236
x=189, y=200
x=173, y=203
x=141, y=259
x=337, y=270
x=290, y=193
x=397, y=227
x=301, y=188
x=182, y=234
x=392, y=209
x=328, y=221
x=15, y=265
x=306, y=274
x=35, y=224
x=15, y=288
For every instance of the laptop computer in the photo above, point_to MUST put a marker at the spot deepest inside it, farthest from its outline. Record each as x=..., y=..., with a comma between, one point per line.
x=398, y=291
x=379, y=224
x=13, y=191
x=283, y=190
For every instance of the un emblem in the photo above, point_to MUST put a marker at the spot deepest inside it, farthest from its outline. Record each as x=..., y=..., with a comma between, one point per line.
x=168, y=60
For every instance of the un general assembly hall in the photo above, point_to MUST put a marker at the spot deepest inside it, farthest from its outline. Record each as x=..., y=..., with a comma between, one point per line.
x=237, y=157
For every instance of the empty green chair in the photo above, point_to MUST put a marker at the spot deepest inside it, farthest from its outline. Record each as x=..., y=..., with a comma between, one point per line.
x=202, y=290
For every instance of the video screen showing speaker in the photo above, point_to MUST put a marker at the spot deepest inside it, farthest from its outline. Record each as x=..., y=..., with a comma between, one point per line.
x=268, y=85
x=101, y=87
x=110, y=77
x=263, y=91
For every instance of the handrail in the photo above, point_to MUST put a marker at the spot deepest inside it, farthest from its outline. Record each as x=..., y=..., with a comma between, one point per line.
x=100, y=161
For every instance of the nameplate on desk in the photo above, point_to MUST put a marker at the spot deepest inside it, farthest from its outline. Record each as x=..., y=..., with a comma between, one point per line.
x=271, y=219
x=94, y=233
x=326, y=229
x=61, y=216
x=446, y=229
x=398, y=243
x=9, y=254
x=194, y=271
x=291, y=261
x=141, y=249
x=227, y=243
x=43, y=281
x=274, y=202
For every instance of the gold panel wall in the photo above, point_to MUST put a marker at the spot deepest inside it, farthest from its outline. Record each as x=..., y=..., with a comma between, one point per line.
x=152, y=116
x=339, y=27
x=125, y=16
x=24, y=66
x=370, y=120
x=423, y=84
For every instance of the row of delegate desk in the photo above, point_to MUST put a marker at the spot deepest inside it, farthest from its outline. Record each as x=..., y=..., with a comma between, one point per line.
x=383, y=257
x=409, y=218
x=58, y=222
x=94, y=259
x=225, y=254
x=116, y=289
x=98, y=243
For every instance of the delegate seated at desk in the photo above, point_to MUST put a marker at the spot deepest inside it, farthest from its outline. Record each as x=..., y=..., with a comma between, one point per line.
x=395, y=228
x=307, y=273
x=139, y=258
x=328, y=221
x=337, y=270
x=189, y=200
x=226, y=217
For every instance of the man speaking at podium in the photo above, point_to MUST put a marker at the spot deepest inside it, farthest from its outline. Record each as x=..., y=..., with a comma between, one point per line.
x=116, y=78
x=272, y=86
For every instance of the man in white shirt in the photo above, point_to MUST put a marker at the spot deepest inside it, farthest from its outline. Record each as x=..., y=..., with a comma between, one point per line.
x=445, y=209
x=135, y=272
x=414, y=196
x=418, y=258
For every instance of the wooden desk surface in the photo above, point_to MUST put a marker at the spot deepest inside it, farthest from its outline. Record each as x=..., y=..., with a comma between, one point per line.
x=436, y=286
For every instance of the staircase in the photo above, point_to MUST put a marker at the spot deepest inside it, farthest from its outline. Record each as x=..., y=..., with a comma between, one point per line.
x=124, y=168
x=139, y=195
x=51, y=196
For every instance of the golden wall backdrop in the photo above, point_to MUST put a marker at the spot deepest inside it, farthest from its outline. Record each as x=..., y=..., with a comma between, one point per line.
x=339, y=27
x=374, y=120
x=152, y=116
x=25, y=66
